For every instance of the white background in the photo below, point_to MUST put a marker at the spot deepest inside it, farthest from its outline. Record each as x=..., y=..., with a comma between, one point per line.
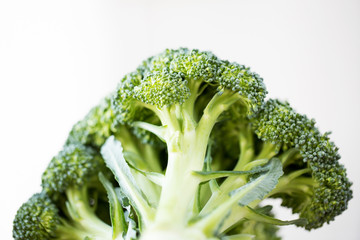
x=59, y=58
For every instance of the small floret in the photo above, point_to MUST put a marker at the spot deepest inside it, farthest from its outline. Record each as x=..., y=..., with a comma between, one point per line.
x=96, y=127
x=320, y=191
x=74, y=167
x=39, y=219
x=70, y=179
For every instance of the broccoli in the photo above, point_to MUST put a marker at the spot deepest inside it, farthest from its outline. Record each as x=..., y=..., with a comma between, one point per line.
x=193, y=148
x=71, y=181
x=39, y=219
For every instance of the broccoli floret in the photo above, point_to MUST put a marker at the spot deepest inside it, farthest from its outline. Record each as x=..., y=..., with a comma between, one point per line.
x=39, y=219
x=96, y=127
x=74, y=167
x=71, y=180
x=315, y=183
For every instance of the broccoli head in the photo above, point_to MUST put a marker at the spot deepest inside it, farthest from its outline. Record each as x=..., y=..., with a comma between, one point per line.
x=193, y=149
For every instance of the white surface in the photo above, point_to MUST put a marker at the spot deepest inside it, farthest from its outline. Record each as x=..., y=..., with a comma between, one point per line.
x=59, y=58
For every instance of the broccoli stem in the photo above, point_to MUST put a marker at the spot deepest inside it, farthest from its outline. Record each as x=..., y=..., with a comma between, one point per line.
x=301, y=185
x=231, y=183
x=81, y=212
x=144, y=158
x=268, y=151
x=186, y=146
x=65, y=231
x=180, y=185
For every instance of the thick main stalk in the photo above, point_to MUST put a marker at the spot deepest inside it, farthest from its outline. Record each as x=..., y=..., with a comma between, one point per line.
x=186, y=152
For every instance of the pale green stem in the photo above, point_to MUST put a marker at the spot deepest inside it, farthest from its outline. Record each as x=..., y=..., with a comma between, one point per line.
x=180, y=185
x=152, y=158
x=140, y=159
x=189, y=104
x=85, y=215
x=288, y=156
x=268, y=151
x=213, y=220
x=159, y=131
x=186, y=154
x=237, y=213
x=231, y=183
x=66, y=231
x=295, y=184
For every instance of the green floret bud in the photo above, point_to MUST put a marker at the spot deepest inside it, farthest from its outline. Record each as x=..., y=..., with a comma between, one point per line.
x=162, y=89
x=40, y=219
x=323, y=192
x=162, y=60
x=240, y=79
x=178, y=77
x=126, y=108
x=96, y=127
x=279, y=124
x=196, y=65
x=36, y=219
x=71, y=180
x=73, y=166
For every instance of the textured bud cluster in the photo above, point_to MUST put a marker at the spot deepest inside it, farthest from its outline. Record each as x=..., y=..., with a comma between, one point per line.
x=36, y=219
x=167, y=79
x=96, y=127
x=279, y=124
x=73, y=166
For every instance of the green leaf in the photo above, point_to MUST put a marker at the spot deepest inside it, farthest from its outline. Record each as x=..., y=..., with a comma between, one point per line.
x=257, y=188
x=205, y=176
x=258, y=216
x=214, y=186
x=155, y=177
x=239, y=237
x=260, y=186
x=255, y=163
x=265, y=209
x=112, y=153
x=132, y=229
x=116, y=211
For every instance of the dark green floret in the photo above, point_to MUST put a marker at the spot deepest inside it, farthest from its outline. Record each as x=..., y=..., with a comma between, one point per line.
x=321, y=190
x=76, y=165
x=71, y=179
x=39, y=219
x=96, y=127
x=178, y=76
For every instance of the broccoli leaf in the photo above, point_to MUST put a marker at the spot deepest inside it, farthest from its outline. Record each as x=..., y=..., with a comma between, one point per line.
x=112, y=153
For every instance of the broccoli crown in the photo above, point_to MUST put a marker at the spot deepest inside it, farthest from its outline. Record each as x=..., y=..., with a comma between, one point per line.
x=96, y=127
x=174, y=76
x=217, y=150
x=36, y=219
x=75, y=165
x=279, y=124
